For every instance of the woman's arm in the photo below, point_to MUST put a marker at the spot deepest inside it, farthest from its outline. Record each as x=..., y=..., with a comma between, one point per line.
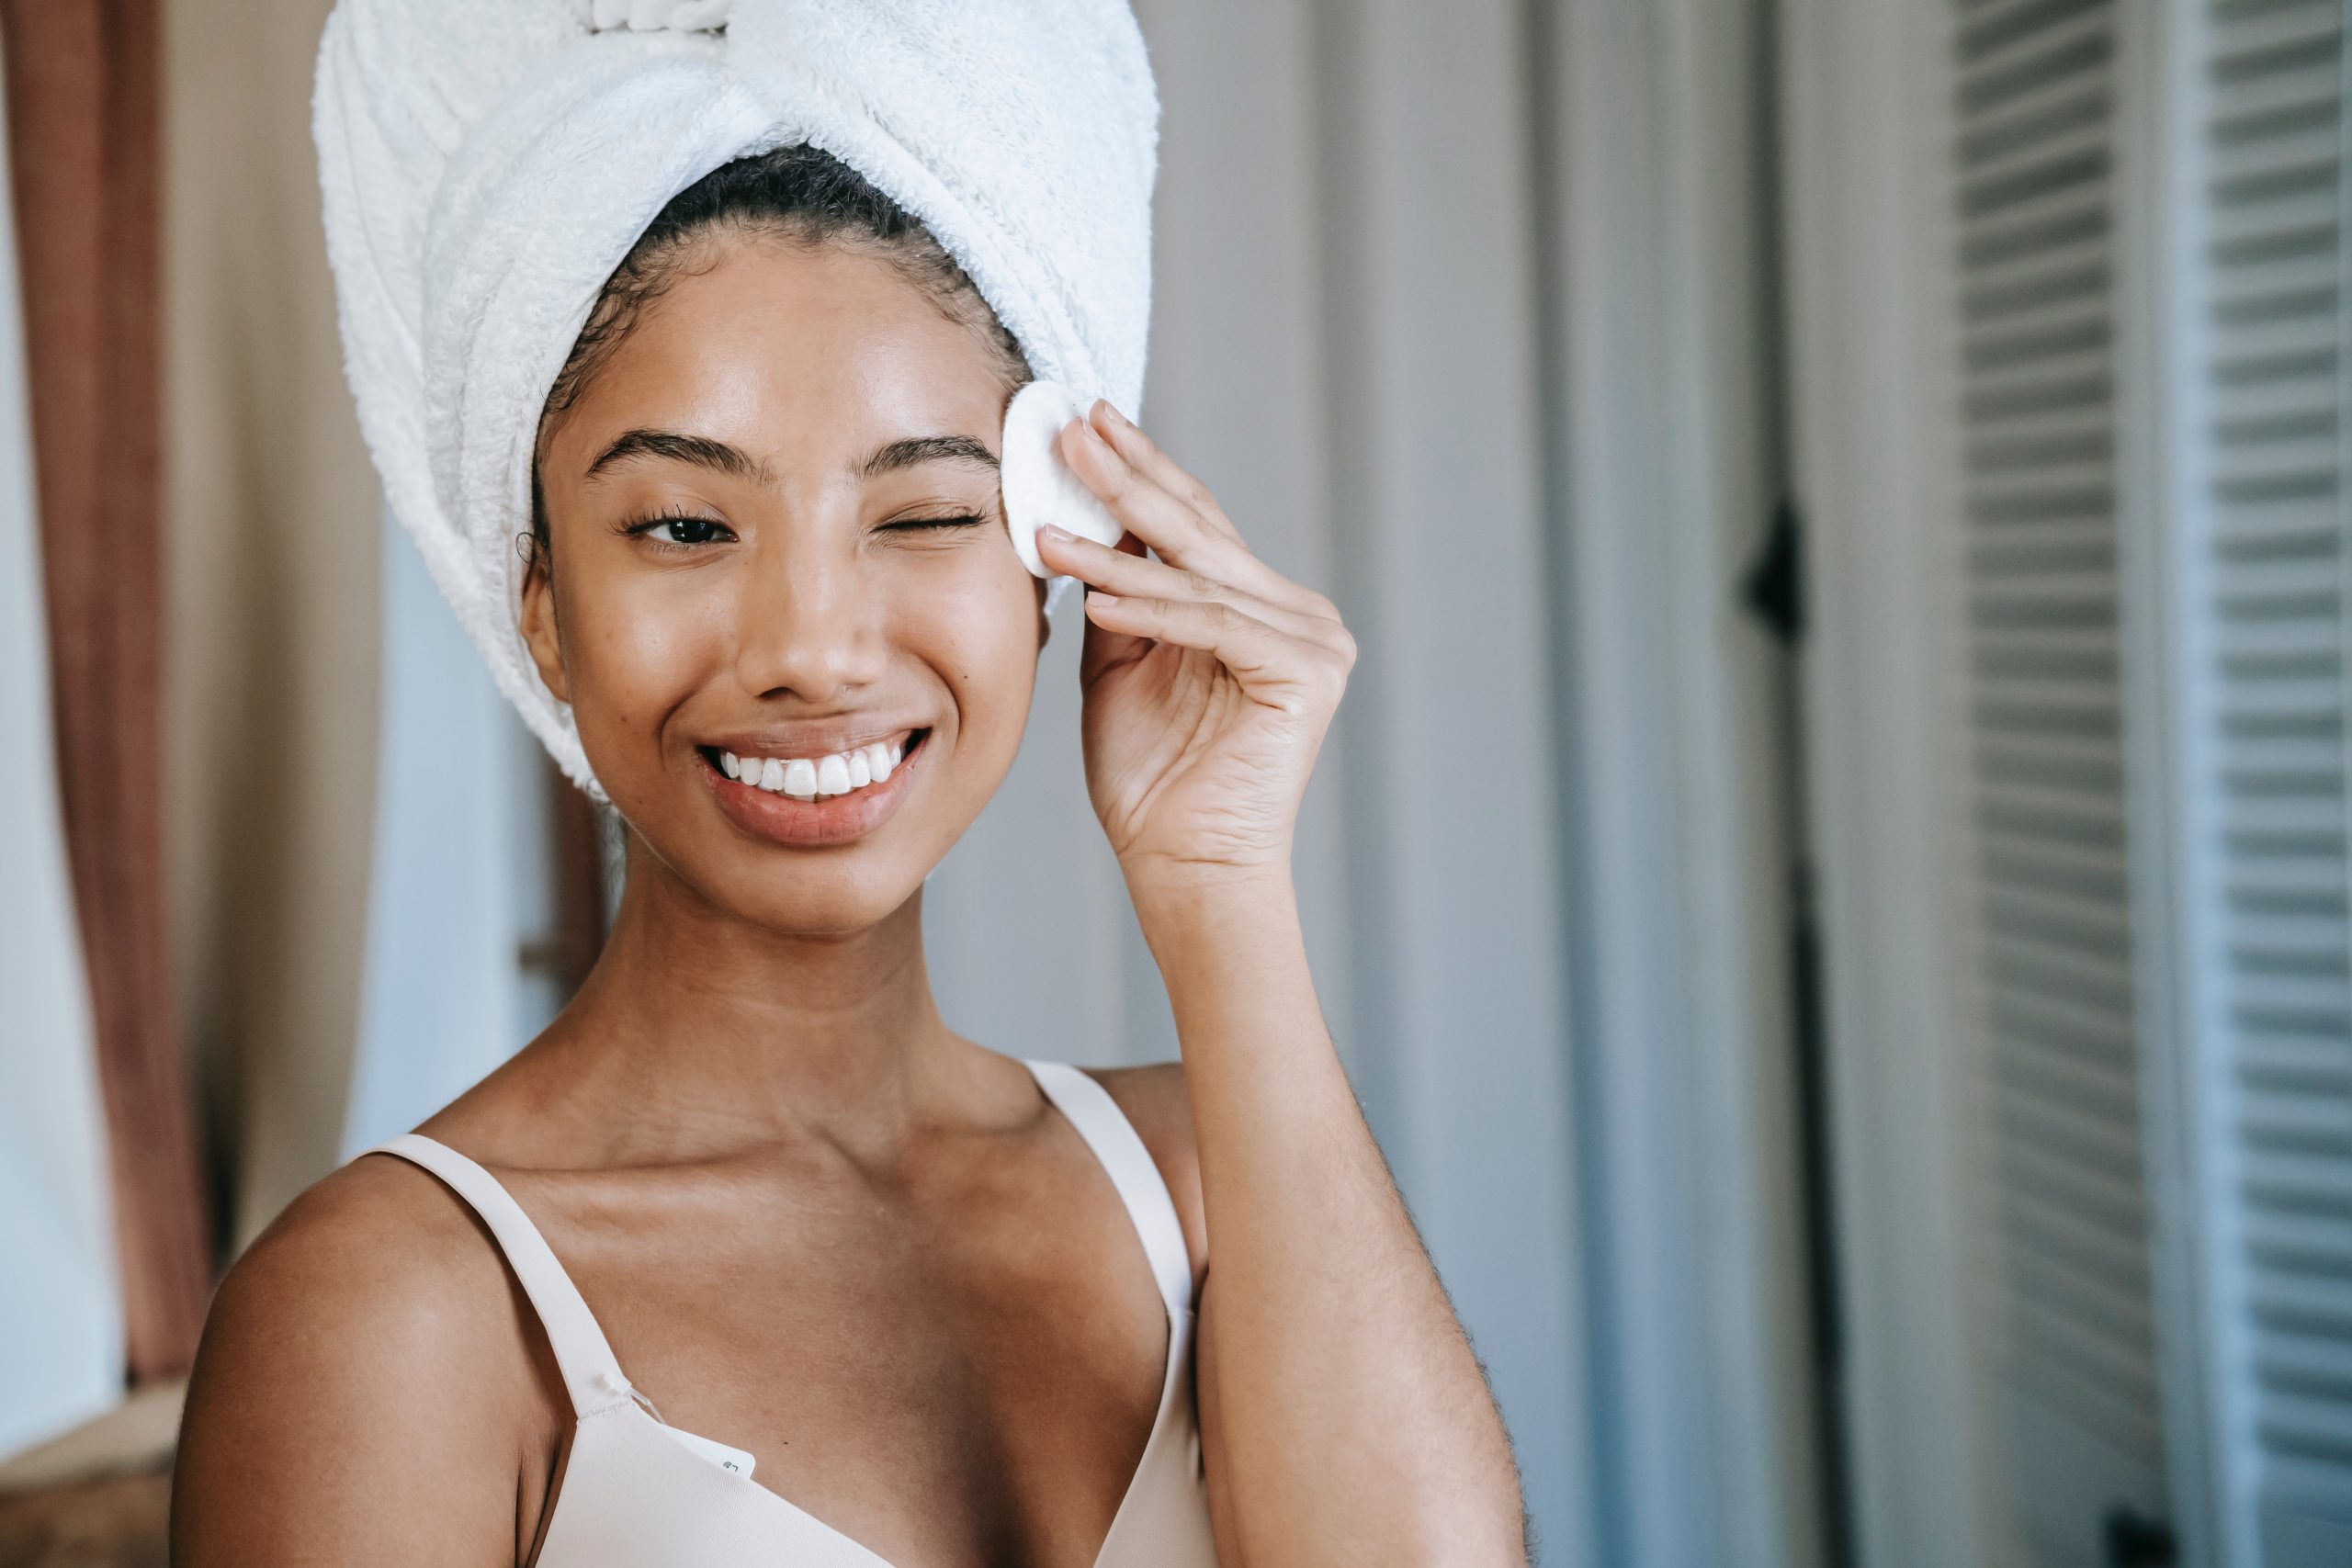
x=1344, y=1418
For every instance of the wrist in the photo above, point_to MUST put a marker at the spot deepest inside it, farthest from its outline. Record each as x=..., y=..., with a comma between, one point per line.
x=1179, y=895
x=1231, y=952
x=1206, y=927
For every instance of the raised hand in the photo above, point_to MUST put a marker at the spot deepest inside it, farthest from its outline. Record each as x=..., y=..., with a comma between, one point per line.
x=1210, y=678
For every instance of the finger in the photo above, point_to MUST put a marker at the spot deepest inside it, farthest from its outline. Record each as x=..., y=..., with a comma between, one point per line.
x=1168, y=524
x=1129, y=442
x=1281, y=670
x=1129, y=576
x=1139, y=451
x=1103, y=648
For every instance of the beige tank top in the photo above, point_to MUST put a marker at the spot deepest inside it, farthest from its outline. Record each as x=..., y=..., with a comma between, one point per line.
x=639, y=1492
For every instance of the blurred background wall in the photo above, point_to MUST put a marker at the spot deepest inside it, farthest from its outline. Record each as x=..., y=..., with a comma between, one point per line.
x=275, y=590
x=1830, y=879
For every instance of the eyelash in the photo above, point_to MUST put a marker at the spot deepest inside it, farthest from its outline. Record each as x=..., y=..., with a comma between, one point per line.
x=644, y=526
x=912, y=524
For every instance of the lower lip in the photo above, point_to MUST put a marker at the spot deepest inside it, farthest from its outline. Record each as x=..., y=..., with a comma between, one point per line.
x=812, y=824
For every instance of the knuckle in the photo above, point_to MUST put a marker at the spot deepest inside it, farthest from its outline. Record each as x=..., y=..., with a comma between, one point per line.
x=1201, y=586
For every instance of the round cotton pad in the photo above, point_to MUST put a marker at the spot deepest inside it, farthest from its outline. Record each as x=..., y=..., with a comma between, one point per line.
x=1038, y=486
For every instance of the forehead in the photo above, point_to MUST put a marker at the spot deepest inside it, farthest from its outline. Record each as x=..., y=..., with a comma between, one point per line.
x=794, y=352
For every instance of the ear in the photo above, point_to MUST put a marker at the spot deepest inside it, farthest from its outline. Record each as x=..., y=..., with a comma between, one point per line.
x=539, y=620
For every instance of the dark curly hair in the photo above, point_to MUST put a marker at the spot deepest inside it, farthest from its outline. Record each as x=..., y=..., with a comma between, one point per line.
x=794, y=193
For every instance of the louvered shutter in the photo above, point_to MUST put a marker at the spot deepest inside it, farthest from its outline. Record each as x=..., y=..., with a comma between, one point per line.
x=2266, y=532
x=2068, y=1292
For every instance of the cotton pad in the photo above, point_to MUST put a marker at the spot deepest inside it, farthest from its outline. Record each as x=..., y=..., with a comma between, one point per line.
x=1038, y=486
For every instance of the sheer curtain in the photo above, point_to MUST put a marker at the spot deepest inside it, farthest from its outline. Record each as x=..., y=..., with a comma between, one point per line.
x=60, y=1313
x=444, y=996
x=84, y=101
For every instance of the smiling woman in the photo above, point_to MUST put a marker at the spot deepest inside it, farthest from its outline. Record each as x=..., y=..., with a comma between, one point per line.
x=883, y=1294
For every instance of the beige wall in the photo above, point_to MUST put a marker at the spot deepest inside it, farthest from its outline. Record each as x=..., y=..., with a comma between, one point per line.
x=272, y=572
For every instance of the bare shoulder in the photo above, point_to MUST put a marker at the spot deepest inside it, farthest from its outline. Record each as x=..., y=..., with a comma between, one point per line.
x=361, y=1389
x=1156, y=1099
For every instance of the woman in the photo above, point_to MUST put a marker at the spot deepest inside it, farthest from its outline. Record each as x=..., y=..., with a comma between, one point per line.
x=876, y=1288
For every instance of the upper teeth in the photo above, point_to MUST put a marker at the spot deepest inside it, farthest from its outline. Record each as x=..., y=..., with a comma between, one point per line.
x=805, y=778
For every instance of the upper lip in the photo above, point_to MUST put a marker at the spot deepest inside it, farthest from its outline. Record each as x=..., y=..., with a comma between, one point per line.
x=810, y=741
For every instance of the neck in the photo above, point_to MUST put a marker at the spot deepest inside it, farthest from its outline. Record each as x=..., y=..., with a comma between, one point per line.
x=697, y=1030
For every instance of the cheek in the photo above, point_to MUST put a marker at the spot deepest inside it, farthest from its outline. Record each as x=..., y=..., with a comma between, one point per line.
x=977, y=627
x=644, y=640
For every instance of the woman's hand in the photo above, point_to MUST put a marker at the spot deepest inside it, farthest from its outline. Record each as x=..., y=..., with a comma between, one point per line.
x=1210, y=678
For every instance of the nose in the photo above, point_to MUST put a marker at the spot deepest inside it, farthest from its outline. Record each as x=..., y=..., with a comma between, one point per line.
x=809, y=621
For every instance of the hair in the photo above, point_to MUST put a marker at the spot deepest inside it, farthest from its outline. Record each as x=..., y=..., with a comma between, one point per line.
x=797, y=194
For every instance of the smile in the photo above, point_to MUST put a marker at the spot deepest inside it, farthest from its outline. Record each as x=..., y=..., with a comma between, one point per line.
x=814, y=802
x=819, y=778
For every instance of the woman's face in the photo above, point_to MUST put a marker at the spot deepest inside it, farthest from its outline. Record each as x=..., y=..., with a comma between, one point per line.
x=775, y=532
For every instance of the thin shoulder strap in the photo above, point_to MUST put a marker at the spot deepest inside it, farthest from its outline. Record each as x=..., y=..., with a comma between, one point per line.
x=591, y=1374
x=1133, y=1171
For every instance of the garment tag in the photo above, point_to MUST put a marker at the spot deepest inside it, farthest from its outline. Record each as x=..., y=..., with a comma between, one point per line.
x=719, y=1454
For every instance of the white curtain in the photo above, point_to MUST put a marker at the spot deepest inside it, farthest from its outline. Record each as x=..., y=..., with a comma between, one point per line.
x=60, y=1313
x=442, y=995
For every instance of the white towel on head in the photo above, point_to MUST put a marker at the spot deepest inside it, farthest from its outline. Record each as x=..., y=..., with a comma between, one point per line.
x=486, y=163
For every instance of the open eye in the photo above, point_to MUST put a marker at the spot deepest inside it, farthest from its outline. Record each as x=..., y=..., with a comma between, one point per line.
x=681, y=528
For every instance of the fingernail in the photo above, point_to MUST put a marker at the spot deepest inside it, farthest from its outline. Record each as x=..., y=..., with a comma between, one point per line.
x=1114, y=409
x=1057, y=532
x=1096, y=596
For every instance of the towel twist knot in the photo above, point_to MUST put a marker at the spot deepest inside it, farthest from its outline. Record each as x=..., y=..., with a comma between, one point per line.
x=651, y=16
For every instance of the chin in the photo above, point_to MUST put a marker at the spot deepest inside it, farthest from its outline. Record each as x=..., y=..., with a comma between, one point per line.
x=836, y=891
x=829, y=901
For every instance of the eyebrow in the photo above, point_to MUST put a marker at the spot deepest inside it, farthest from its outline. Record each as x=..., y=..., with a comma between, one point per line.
x=702, y=450
x=711, y=453
x=927, y=449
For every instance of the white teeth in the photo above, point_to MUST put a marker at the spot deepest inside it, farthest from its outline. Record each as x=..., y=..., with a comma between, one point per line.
x=806, y=778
